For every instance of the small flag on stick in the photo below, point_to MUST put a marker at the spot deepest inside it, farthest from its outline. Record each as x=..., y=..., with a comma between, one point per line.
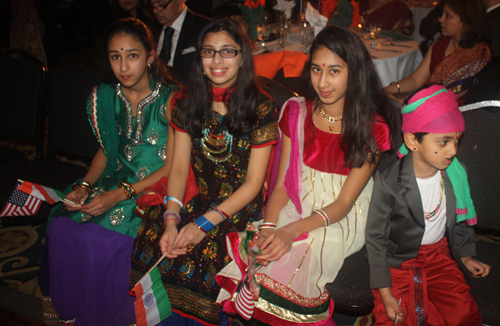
x=151, y=304
x=244, y=303
x=47, y=194
x=20, y=204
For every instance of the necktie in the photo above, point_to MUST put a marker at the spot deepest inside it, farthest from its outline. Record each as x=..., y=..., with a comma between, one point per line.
x=167, y=45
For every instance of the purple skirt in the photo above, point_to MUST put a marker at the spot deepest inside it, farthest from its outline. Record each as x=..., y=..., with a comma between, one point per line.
x=89, y=269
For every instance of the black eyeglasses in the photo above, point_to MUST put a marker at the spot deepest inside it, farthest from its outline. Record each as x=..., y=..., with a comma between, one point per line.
x=160, y=7
x=225, y=53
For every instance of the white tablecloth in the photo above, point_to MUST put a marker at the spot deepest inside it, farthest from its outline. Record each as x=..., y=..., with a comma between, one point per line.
x=394, y=66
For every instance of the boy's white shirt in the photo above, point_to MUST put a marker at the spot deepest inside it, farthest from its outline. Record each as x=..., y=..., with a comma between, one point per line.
x=430, y=193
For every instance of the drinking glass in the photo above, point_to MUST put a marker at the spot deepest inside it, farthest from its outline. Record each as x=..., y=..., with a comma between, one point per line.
x=307, y=38
x=375, y=29
x=263, y=32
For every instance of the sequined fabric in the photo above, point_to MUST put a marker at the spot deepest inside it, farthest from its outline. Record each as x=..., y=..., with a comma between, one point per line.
x=140, y=140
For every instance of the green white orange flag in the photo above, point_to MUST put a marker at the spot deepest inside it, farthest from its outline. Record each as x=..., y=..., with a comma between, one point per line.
x=47, y=194
x=151, y=304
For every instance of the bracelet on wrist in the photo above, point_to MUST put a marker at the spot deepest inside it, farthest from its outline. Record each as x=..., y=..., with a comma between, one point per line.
x=204, y=224
x=84, y=185
x=175, y=200
x=128, y=189
x=261, y=227
x=221, y=213
x=171, y=214
x=325, y=217
x=397, y=85
x=199, y=227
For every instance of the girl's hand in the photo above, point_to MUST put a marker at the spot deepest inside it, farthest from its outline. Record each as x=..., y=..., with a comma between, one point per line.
x=277, y=244
x=263, y=235
x=188, y=235
x=392, y=309
x=78, y=196
x=167, y=240
x=476, y=267
x=103, y=202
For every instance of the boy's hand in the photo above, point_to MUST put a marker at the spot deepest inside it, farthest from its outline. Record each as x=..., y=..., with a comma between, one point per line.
x=476, y=267
x=391, y=305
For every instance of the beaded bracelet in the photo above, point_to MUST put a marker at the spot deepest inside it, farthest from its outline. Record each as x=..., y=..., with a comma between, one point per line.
x=204, y=224
x=175, y=200
x=221, y=213
x=84, y=185
x=324, y=216
x=172, y=213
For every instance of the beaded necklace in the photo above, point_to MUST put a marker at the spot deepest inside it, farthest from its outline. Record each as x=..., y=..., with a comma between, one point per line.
x=216, y=144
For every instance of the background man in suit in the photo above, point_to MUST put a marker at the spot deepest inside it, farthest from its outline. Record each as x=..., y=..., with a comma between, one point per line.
x=177, y=35
x=493, y=9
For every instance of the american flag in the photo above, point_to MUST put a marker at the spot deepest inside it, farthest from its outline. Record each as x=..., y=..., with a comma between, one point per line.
x=20, y=204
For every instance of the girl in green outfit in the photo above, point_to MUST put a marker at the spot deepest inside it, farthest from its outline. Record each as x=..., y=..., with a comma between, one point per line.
x=89, y=244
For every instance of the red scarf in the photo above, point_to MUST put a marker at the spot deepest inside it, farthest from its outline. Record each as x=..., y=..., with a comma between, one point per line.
x=219, y=93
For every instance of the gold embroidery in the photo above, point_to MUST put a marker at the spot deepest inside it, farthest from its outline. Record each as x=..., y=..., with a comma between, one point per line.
x=192, y=303
x=324, y=189
x=289, y=294
x=321, y=258
x=289, y=315
x=301, y=261
x=265, y=135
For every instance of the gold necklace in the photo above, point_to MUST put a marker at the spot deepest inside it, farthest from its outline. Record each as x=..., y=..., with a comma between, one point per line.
x=329, y=119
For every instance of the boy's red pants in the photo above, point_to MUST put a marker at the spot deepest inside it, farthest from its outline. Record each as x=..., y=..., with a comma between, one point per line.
x=432, y=289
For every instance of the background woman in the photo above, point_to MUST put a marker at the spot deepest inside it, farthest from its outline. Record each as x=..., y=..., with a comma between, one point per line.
x=224, y=128
x=332, y=142
x=457, y=56
x=90, y=244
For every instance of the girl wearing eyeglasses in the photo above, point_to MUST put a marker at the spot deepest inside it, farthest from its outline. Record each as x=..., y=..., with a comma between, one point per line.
x=224, y=128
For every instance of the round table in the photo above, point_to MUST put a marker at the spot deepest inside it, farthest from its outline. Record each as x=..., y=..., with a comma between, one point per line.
x=392, y=62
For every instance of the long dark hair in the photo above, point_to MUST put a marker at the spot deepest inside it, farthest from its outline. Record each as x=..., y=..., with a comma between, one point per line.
x=141, y=32
x=363, y=97
x=241, y=105
x=477, y=25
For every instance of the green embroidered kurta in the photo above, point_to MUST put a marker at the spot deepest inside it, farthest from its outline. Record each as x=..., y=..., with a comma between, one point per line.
x=134, y=147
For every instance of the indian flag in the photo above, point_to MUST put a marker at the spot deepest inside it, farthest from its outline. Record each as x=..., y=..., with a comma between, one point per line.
x=151, y=304
x=47, y=194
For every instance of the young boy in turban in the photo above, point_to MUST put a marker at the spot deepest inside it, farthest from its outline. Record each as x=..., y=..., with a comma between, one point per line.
x=414, y=267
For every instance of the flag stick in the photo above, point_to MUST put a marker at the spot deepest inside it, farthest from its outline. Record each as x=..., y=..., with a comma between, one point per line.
x=159, y=260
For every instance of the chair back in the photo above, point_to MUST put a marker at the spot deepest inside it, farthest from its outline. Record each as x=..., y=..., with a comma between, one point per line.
x=69, y=128
x=478, y=150
x=486, y=84
x=21, y=95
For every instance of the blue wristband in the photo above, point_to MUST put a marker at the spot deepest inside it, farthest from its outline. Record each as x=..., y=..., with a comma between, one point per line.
x=204, y=224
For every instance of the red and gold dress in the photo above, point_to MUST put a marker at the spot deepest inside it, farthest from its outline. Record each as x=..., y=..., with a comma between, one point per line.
x=292, y=289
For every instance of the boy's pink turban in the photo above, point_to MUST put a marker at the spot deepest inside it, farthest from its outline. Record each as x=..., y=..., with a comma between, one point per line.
x=432, y=110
